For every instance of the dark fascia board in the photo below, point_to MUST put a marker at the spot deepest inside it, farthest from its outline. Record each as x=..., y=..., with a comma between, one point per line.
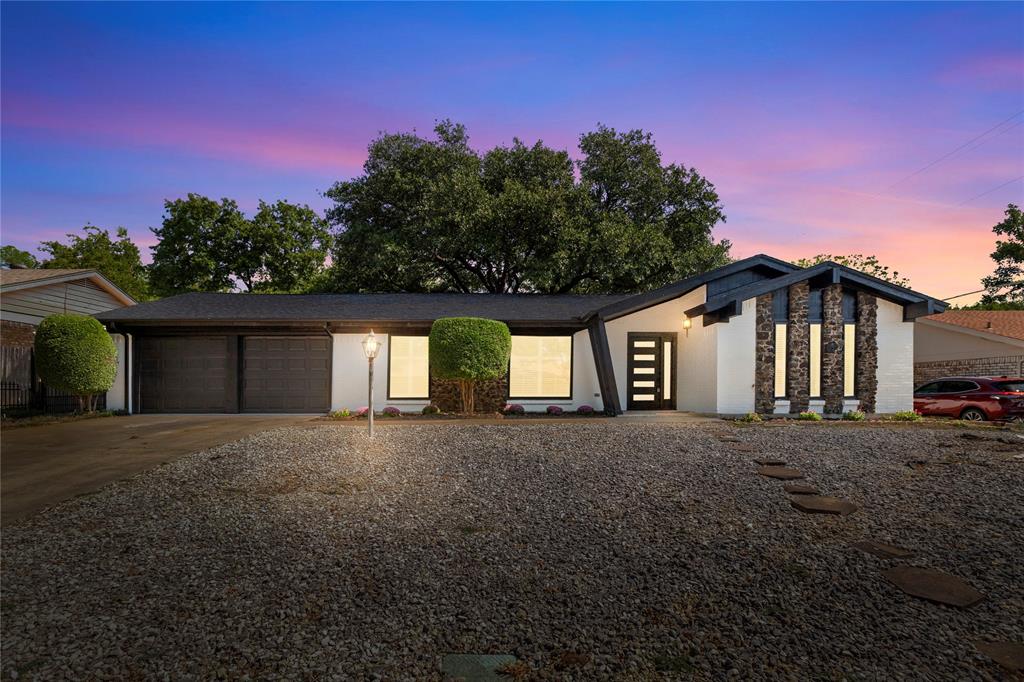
x=915, y=303
x=337, y=326
x=671, y=291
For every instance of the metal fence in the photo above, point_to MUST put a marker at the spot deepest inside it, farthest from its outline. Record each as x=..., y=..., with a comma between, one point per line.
x=21, y=390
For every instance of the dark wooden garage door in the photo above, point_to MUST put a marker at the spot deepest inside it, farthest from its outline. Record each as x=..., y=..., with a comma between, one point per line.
x=286, y=374
x=183, y=373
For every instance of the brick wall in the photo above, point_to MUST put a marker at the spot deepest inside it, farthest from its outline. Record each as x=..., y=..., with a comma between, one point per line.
x=17, y=334
x=1010, y=365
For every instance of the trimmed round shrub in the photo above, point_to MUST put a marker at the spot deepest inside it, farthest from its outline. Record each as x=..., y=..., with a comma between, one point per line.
x=555, y=410
x=584, y=409
x=515, y=409
x=468, y=350
x=431, y=409
x=75, y=354
x=391, y=411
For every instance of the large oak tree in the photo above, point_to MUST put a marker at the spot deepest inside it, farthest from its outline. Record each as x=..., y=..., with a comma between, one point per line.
x=435, y=215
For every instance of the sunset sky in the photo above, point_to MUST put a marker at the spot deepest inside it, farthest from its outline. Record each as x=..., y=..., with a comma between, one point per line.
x=819, y=124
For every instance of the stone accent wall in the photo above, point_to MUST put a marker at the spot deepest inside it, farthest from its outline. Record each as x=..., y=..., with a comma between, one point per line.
x=798, y=352
x=832, y=348
x=488, y=396
x=1010, y=365
x=764, y=357
x=17, y=334
x=867, y=351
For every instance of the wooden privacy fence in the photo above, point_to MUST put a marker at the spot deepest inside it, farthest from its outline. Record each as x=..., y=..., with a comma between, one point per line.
x=20, y=388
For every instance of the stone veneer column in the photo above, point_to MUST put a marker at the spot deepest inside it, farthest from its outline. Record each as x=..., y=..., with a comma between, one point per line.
x=867, y=351
x=798, y=349
x=488, y=396
x=832, y=348
x=764, y=356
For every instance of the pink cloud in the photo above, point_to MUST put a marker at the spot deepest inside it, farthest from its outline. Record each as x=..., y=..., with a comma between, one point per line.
x=998, y=71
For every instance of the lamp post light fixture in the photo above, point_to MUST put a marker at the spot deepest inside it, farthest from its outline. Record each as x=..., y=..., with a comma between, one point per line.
x=371, y=346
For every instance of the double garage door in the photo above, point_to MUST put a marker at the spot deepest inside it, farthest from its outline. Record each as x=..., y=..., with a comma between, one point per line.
x=232, y=373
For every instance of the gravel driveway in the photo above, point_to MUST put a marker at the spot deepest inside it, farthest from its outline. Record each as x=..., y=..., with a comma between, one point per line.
x=591, y=550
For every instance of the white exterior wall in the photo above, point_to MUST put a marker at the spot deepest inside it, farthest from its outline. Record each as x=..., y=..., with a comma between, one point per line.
x=116, y=398
x=735, y=361
x=696, y=352
x=934, y=341
x=895, y=360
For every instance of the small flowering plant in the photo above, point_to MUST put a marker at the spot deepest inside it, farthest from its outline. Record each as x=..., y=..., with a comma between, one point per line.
x=361, y=412
x=391, y=411
x=555, y=410
x=585, y=410
x=514, y=409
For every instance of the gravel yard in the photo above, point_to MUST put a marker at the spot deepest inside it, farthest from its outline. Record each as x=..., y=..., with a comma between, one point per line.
x=590, y=550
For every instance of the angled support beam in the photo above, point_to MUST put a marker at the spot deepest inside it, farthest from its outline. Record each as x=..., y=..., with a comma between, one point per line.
x=603, y=363
x=912, y=311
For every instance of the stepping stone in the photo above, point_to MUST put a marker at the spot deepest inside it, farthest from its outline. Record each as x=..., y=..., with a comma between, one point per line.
x=781, y=473
x=801, y=489
x=882, y=550
x=818, y=504
x=475, y=667
x=1010, y=655
x=769, y=461
x=933, y=585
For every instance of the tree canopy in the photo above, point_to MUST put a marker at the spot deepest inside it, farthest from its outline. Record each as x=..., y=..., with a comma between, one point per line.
x=208, y=245
x=74, y=353
x=117, y=259
x=1005, y=286
x=435, y=215
x=12, y=255
x=866, y=264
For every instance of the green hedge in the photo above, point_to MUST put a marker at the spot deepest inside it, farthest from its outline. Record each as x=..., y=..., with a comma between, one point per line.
x=74, y=354
x=469, y=348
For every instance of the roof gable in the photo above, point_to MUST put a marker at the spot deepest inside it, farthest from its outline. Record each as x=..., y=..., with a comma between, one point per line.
x=1007, y=324
x=15, y=279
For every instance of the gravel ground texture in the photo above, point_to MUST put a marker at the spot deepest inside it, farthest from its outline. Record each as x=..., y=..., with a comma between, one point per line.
x=588, y=551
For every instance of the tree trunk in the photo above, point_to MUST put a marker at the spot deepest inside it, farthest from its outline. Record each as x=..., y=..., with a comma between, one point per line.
x=466, y=389
x=81, y=403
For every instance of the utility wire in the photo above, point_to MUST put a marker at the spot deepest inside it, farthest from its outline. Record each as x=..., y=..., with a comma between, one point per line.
x=1010, y=182
x=967, y=294
x=946, y=156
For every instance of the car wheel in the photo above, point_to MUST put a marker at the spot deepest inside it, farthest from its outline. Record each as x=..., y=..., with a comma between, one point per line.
x=973, y=414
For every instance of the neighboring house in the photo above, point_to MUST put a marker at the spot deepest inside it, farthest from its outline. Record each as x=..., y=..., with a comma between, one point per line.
x=758, y=334
x=27, y=295
x=969, y=343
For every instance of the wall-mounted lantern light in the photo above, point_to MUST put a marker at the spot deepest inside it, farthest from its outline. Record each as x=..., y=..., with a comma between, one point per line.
x=371, y=347
x=687, y=323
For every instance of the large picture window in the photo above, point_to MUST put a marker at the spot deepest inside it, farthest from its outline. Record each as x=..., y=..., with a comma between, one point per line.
x=409, y=367
x=540, y=367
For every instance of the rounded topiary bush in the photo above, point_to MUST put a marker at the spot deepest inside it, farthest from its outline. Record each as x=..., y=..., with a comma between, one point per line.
x=75, y=354
x=467, y=350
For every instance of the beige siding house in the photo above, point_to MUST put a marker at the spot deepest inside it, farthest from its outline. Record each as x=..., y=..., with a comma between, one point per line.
x=27, y=295
x=969, y=343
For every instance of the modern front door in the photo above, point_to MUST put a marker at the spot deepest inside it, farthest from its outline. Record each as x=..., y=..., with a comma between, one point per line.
x=651, y=371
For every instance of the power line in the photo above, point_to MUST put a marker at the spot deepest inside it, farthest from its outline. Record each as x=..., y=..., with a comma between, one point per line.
x=946, y=156
x=967, y=294
x=1010, y=182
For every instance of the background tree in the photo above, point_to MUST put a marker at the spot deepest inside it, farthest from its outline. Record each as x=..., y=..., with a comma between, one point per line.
x=434, y=215
x=194, y=244
x=468, y=350
x=75, y=354
x=1005, y=286
x=118, y=260
x=283, y=248
x=12, y=255
x=866, y=264
x=206, y=245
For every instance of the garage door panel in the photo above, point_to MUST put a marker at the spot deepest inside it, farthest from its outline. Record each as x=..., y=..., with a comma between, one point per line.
x=183, y=374
x=286, y=374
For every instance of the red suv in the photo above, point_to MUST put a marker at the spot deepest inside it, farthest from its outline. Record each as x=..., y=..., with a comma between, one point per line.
x=972, y=398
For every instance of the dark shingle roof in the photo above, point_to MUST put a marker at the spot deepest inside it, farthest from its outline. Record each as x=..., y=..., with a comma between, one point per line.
x=212, y=307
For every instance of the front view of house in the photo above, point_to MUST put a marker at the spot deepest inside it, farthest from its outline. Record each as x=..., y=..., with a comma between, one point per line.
x=758, y=334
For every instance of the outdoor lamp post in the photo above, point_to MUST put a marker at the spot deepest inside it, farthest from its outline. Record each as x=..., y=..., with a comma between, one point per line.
x=370, y=348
